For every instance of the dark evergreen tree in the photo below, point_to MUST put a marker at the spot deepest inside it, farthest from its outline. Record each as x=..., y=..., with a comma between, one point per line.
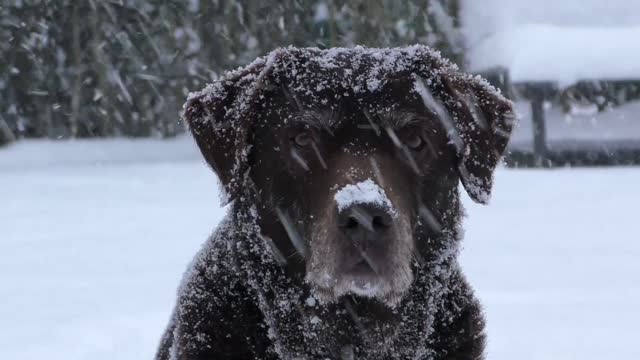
x=123, y=67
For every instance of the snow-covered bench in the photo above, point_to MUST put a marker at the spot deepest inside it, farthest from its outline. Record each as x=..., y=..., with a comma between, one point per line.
x=551, y=51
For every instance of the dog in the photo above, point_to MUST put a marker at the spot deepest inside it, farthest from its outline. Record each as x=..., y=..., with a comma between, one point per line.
x=341, y=168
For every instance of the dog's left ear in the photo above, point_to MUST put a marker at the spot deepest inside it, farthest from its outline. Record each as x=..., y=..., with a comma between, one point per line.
x=219, y=118
x=482, y=122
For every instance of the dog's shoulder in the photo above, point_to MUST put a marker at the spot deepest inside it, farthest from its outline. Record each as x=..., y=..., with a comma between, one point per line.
x=215, y=313
x=459, y=329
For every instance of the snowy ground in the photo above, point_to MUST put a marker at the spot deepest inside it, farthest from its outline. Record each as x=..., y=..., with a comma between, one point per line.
x=95, y=236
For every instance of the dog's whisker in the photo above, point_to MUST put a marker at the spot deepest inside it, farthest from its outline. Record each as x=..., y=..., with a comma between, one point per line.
x=429, y=218
x=320, y=158
x=292, y=232
x=298, y=158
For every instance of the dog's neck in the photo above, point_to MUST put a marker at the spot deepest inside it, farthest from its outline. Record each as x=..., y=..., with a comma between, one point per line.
x=271, y=229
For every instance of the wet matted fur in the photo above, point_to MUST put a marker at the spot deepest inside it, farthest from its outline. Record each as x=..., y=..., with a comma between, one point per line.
x=295, y=271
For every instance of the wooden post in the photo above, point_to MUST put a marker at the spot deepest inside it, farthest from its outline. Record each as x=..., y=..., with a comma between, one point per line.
x=539, y=129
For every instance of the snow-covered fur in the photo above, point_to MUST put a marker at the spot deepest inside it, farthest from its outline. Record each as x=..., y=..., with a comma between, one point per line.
x=249, y=293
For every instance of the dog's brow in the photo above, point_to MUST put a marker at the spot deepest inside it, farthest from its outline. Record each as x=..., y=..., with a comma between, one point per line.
x=400, y=119
x=315, y=119
x=327, y=120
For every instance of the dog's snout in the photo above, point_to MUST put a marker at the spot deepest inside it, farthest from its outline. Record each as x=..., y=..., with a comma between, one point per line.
x=364, y=222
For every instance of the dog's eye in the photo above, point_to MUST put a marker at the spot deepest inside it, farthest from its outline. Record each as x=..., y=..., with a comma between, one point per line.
x=303, y=139
x=414, y=142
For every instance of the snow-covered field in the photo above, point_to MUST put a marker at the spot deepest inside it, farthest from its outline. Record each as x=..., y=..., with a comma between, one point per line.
x=94, y=237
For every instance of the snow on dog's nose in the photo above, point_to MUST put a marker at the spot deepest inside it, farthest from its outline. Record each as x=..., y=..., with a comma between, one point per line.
x=364, y=192
x=364, y=212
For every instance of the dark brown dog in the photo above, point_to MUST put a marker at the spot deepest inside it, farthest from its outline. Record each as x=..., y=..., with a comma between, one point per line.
x=341, y=242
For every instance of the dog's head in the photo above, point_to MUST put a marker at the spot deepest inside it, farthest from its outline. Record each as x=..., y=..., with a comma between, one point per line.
x=355, y=154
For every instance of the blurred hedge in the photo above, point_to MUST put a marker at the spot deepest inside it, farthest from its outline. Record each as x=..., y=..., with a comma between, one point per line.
x=96, y=68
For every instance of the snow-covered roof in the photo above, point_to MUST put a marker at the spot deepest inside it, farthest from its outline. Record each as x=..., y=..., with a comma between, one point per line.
x=563, y=42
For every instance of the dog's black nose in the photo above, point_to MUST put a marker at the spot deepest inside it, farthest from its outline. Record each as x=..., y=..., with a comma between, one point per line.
x=364, y=222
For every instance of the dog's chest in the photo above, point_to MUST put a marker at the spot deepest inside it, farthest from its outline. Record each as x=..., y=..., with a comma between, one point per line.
x=298, y=330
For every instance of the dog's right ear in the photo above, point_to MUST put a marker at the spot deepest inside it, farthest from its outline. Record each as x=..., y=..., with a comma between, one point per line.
x=219, y=118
